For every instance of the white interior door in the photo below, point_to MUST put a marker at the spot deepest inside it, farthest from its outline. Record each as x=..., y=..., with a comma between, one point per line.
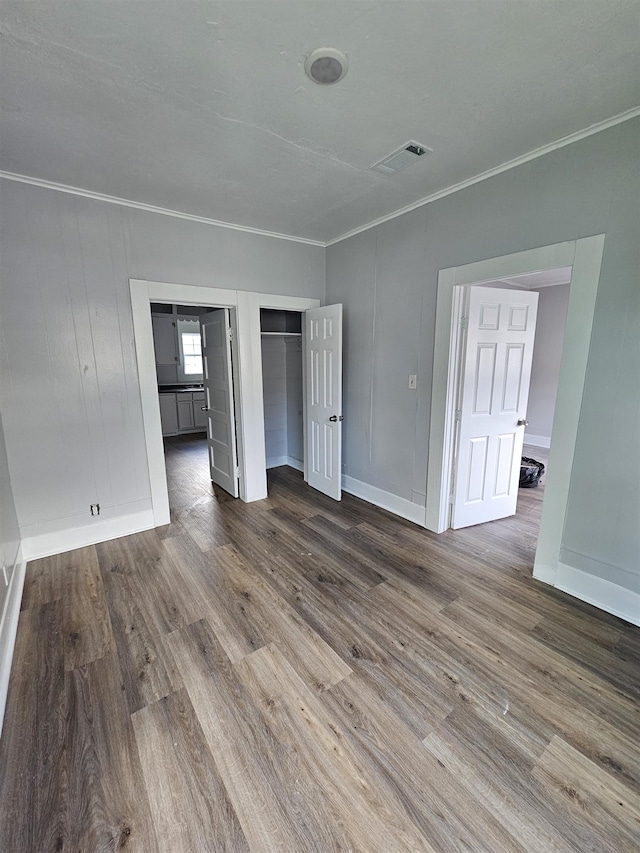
x=323, y=366
x=494, y=389
x=218, y=389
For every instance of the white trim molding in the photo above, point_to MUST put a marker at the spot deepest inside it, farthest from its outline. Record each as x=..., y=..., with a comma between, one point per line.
x=384, y=500
x=497, y=170
x=151, y=208
x=595, y=590
x=60, y=541
x=537, y=440
x=585, y=257
x=9, y=627
x=446, y=191
x=277, y=461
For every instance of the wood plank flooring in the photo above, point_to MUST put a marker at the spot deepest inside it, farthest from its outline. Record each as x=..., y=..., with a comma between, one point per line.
x=305, y=675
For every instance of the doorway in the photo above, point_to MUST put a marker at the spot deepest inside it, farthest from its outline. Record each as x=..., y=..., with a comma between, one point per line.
x=506, y=371
x=318, y=384
x=282, y=385
x=248, y=391
x=584, y=256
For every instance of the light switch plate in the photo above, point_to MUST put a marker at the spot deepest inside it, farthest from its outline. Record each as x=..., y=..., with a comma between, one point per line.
x=413, y=381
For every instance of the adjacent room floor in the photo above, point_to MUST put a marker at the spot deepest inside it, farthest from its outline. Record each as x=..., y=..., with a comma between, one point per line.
x=303, y=675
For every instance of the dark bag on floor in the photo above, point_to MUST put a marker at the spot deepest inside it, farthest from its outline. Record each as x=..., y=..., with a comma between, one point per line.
x=530, y=473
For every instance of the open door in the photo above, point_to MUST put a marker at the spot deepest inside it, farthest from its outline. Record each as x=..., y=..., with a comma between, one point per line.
x=218, y=388
x=323, y=366
x=492, y=404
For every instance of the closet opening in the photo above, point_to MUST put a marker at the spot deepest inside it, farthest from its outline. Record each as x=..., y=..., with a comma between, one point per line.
x=282, y=387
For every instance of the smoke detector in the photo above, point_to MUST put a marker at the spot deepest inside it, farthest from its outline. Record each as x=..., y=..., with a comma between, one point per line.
x=400, y=159
x=326, y=65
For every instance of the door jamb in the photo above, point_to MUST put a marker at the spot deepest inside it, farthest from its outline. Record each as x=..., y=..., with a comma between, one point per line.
x=247, y=371
x=585, y=256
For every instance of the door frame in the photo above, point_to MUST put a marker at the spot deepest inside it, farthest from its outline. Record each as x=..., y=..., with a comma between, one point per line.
x=247, y=374
x=585, y=257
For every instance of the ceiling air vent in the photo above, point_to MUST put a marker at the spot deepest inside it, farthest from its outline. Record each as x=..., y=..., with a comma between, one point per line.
x=400, y=159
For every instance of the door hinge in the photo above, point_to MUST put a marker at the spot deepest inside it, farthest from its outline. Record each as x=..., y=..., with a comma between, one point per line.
x=236, y=471
x=457, y=414
x=452, y=498
x=230, y=334
x=464, y=322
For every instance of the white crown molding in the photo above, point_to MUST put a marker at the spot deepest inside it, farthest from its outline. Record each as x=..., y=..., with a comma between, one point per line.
x=150, y=208
x=454, y=188
x=483, y=176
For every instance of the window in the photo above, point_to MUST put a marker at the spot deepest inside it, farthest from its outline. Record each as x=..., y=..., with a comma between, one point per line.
x=190, y=366
x=191, y=353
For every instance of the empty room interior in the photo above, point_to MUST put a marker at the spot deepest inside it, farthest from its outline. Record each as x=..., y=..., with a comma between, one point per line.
x=320, y=426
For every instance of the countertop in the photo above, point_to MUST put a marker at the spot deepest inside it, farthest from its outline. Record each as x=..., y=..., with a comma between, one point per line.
x=179, y=389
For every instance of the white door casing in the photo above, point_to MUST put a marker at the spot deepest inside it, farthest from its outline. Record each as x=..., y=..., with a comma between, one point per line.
x=219, y=402
x=323, y=367
x=492, y=404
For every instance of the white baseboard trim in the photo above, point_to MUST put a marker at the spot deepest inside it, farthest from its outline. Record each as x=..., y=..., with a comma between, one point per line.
x=295, y=463
x=537, y=440
x=384, y=500
x=9, y=628
x=277, y=461
x=545, y=574
x=594, y=590
x=46, y=544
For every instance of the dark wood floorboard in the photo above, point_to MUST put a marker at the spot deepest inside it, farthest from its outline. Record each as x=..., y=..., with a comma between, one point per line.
x=305, y=675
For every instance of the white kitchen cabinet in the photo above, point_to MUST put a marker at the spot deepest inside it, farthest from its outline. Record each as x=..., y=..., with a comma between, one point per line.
x=181, y=411
x=165, y=341
x=185, y=411
x=199, y=417
x=168, y=414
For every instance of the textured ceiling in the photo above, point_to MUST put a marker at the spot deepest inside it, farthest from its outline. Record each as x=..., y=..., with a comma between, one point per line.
x=205, y=108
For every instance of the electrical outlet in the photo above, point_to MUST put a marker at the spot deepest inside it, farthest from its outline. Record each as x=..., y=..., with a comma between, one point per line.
x=413, y=381
x=94, y=509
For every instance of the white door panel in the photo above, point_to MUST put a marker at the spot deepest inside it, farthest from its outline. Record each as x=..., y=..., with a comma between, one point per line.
x=323, y=357
x=494, y=389
x=218, y=389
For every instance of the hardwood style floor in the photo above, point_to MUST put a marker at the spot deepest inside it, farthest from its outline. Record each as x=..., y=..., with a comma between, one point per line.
x=304, y=675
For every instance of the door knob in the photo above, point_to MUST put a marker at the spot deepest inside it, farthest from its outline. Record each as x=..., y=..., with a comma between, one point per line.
x=523, y=422
x=335, y=418
x=203, y=408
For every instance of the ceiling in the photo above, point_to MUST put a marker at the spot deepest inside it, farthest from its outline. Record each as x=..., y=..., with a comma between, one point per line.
x=204, y=107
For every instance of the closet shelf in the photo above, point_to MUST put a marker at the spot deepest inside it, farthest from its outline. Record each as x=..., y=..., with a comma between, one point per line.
x=281, y=334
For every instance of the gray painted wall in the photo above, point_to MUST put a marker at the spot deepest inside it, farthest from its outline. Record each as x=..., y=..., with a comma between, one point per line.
x=282, y=393
x=547, y=352
x=274, y=392
x=386, y=279
x=71, y=403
